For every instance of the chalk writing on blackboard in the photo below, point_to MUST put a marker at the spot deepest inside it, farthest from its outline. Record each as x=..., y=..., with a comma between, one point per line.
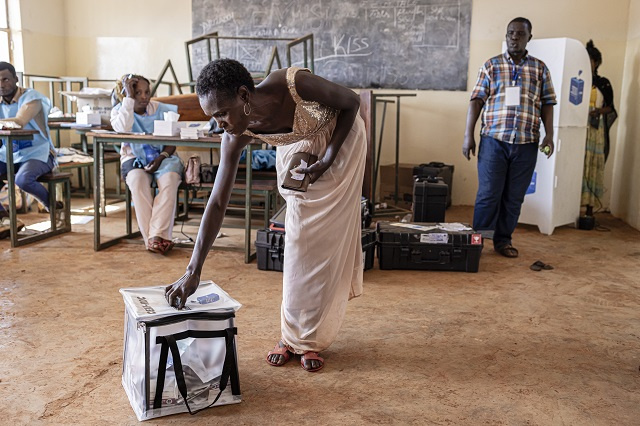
x=410, y=44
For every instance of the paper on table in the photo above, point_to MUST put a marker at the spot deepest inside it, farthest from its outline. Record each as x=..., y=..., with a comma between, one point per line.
x=95, y=91
x=454, y=227
x=9, y=125
x=451, y=227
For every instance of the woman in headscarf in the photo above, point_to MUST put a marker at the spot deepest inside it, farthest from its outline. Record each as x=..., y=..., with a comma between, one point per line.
x=602, y=114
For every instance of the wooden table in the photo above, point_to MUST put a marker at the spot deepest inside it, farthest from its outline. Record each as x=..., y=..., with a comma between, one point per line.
x=8, y=137
x=101, y=139
x=55, y=125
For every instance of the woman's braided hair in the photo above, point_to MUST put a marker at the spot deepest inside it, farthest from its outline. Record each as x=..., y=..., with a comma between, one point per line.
x=594, y=53
x=117, y=94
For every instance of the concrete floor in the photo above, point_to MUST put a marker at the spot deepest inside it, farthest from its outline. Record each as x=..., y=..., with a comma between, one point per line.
x=505, y=346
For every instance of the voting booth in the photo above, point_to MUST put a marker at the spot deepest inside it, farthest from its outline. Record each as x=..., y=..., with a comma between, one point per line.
x=553, y=198
x=177, y=361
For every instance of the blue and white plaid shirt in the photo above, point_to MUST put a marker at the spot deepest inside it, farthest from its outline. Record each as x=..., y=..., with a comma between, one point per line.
x=513, y=124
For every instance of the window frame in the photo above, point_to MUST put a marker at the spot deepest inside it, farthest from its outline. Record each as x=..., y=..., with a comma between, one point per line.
x=7, y=30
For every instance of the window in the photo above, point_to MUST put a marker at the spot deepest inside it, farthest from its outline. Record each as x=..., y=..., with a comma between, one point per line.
x=5, y=36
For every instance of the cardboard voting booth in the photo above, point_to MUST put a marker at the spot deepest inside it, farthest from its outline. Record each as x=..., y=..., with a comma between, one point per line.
x=178, y=361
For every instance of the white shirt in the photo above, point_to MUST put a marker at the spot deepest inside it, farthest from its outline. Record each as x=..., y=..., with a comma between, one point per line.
x=122, y=121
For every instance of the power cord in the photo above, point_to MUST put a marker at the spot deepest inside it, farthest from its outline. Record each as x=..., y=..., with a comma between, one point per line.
x=182, y=224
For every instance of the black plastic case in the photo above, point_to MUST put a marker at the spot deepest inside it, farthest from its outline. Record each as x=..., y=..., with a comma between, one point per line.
x=437, y=169
x=402, y=247
x=270, y=250
x=369, y=239
x=429, y=199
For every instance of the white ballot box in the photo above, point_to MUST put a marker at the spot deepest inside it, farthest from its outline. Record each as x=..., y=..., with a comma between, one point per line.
x=178, y=361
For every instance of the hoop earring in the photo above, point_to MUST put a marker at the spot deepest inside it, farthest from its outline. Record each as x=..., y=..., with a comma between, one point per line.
x=244, y=109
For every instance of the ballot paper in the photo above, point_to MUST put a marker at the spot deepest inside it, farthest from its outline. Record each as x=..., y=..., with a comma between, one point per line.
x=147, y=303
x=449, y=227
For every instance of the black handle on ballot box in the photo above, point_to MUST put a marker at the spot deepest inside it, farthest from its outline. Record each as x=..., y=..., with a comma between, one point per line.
x=169, y=343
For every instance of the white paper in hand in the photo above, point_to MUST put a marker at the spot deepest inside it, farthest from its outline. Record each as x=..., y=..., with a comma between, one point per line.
x=298, y=176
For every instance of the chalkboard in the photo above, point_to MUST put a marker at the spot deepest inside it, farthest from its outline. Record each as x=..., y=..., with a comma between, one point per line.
x=410, y=44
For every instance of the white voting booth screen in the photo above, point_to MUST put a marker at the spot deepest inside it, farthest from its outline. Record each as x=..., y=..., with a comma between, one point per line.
x=553, y=198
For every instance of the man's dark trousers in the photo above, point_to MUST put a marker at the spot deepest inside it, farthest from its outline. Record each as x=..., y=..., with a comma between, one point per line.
x=504, y=174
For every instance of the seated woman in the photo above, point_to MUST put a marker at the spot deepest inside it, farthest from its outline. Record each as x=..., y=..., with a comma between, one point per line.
x=142, y=163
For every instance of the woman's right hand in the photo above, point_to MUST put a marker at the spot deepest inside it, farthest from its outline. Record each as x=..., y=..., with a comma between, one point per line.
x=178, y=292
x=130, y=86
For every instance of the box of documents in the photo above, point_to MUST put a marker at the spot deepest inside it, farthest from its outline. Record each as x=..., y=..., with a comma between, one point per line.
x=91, y=99
x=429, y=246
x=91, y=118
x=167, y=128
x=178, y=361
x=194, y=129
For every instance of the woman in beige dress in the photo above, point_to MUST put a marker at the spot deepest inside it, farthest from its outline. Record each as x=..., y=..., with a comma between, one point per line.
x=298, y=112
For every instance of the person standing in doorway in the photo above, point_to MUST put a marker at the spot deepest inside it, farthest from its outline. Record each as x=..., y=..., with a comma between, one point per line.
x=602, y=114
x=514, y=92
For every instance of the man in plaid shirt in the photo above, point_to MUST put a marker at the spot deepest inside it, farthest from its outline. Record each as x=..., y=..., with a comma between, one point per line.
x=513, y=92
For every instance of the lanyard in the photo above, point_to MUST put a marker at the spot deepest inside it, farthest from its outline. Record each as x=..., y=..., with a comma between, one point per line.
x=516, y=73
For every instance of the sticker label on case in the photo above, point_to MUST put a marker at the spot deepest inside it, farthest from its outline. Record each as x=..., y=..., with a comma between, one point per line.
x=476, y=239
x=434, y=238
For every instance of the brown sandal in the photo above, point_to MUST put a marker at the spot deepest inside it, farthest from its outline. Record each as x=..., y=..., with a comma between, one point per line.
x=309, y=356
x=279, y=350
x=508, y=251
x=155, y=245
x=159, y=245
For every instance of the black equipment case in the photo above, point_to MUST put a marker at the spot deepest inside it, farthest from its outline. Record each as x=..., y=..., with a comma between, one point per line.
x=368, y=248
x=365, y=212
x=415, y=246
x=436, y=169
x=429, y=199
x=270, y=249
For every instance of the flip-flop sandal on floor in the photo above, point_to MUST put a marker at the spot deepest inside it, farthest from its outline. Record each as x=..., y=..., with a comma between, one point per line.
x=160, y=245
x=311, y=356
x=155, y=245
x=539, y=265
x=508, y=251
x=277, y=350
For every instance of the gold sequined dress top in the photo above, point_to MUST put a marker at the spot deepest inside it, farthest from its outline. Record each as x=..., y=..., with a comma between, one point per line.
x=309, y=117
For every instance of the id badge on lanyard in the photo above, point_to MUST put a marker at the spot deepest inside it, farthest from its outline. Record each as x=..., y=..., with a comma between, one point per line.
x=513, y=92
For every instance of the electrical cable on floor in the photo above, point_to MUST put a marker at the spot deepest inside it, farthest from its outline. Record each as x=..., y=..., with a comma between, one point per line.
x=182, y=223
x=182, y=232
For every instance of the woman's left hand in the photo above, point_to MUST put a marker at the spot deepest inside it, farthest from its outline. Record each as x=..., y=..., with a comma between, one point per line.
x=153, y=166
x=315, y=170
